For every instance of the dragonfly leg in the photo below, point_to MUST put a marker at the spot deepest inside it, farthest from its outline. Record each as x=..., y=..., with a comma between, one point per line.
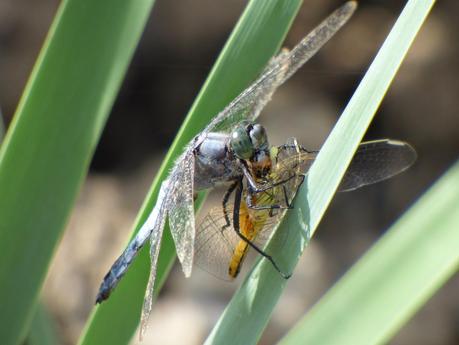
x=284, y=189
x=266, y=188
x=253, y=186
x=253, y=206
x=225, y=200
x=236, y=225
x=296, y=147
x=275, y=184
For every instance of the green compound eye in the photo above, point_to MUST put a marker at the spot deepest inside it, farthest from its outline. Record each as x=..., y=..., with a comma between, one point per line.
x=258, y=137
x=240, y=142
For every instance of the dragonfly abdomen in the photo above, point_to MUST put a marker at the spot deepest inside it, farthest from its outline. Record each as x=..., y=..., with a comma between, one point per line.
x=250, y=224
x=249, y=231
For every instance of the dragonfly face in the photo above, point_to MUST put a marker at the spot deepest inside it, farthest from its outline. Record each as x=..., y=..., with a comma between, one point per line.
x=249, y=142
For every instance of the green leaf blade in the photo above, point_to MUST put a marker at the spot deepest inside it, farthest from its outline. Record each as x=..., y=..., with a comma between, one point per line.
x=47, y=149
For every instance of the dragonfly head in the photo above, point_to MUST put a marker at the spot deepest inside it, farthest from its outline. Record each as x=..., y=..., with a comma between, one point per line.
x=248, y=139
x=249, y=142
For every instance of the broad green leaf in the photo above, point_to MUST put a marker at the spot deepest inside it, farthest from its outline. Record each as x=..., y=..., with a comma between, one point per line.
x=255, y=39
x=394, y=279
x=46, y=152
x=248, y=312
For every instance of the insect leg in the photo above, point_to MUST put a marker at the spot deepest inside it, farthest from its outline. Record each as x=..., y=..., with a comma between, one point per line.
x=237, y=206
x=266, y=188
x=296, y=147
x=288, y=202
x=225, y=203
x=251, y=205
x=253, y=186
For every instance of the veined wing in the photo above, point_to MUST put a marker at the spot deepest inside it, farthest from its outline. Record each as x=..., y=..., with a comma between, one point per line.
x=215, y=243
x=290, y=163
x=155, y=225
x=248, y=105
x=176, y=200
x=373, y=162
x=376, y=161
x=181, y=209
x=218, y=248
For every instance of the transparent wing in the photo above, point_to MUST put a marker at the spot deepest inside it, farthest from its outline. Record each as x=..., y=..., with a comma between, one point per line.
x=158, y=219
x=181, y=209
x=251, y=101
x=291, y=163
x=373, y=162
x=376, y=161
x=217, y=243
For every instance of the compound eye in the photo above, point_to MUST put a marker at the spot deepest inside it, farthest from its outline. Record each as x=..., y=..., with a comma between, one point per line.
x=241, y=144
x=259, y=137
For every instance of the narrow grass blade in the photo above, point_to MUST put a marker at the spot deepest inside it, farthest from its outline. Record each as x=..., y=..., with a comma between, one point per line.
x=250, y=309
x=394, y=279
x=42, y=331
x=255, y=39
x=47, y=149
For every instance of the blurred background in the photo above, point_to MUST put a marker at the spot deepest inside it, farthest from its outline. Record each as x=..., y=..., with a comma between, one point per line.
x=170, y=65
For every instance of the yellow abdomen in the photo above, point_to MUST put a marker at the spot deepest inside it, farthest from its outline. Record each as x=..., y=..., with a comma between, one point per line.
x=250, y=223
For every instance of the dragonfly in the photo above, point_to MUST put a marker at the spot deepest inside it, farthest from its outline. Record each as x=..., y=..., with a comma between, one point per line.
x=219, y=248
x=219, y=154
